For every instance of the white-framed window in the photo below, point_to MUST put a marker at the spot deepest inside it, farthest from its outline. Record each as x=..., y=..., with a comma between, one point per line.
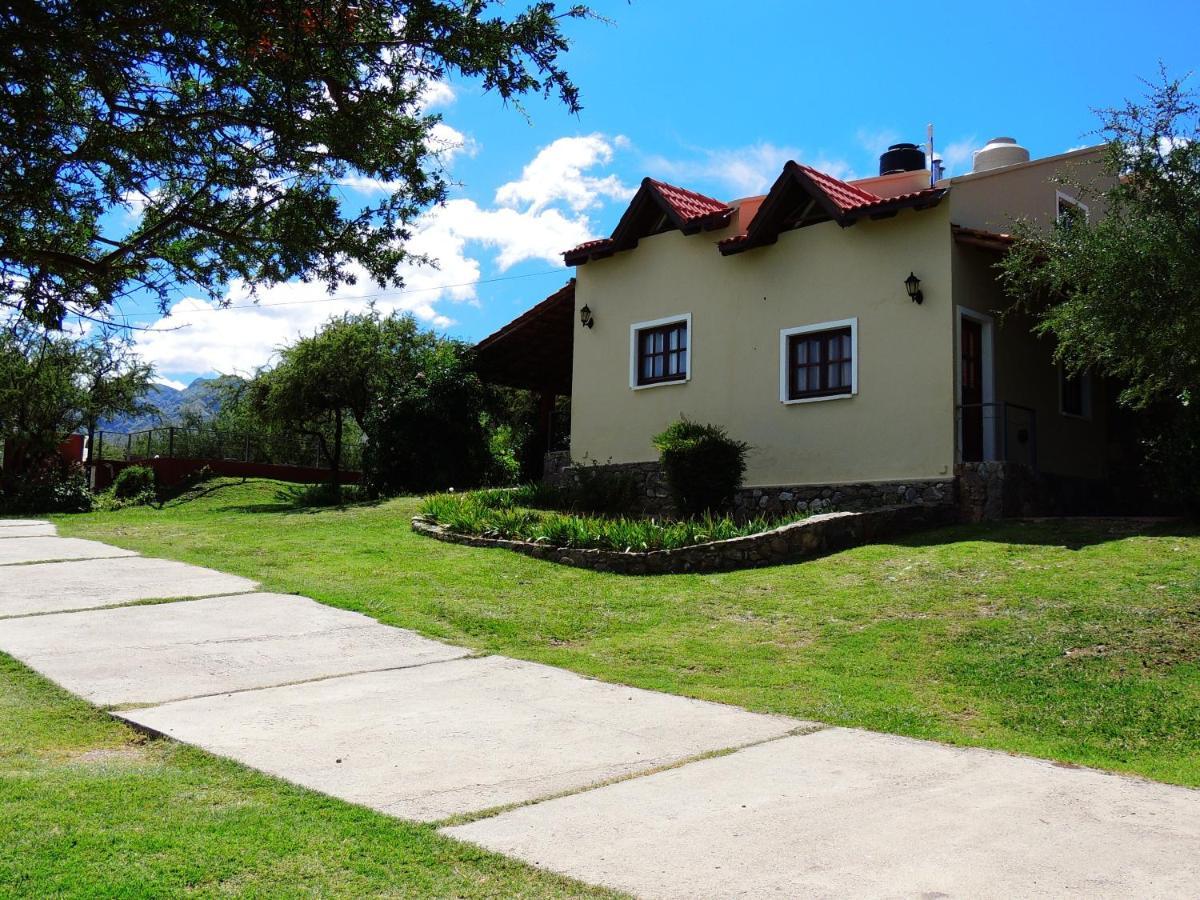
x=1074, y=394
x=818, y=362
x=660, y=352
x=1068, y=209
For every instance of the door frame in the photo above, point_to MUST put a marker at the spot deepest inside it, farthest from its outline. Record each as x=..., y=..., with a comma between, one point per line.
x=988, y=364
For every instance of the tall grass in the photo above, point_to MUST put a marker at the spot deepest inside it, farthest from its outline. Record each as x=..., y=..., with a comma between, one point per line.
x=508, y=514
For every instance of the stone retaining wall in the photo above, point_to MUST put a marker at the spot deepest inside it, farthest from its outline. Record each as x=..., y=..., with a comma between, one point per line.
x=814, y=536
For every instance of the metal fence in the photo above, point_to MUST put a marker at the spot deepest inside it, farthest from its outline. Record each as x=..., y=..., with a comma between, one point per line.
x=173, y=442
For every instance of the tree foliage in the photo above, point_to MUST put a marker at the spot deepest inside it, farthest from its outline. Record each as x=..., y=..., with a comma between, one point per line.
x=41, y=396
x=427, y=431
x=324, y=386
x=1121, y=294
x=51, y=385
x=144, y=145
x=114, y=379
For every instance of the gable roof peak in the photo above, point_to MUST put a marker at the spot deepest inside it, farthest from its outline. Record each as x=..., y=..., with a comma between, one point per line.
x=656, y=207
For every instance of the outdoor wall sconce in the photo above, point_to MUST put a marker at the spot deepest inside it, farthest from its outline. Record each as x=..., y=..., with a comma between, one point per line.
x=585, y=317
x=912, y=284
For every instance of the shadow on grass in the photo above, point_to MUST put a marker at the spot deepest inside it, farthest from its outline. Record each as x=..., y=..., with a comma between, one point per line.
x=306, y=499
x=1070, y=533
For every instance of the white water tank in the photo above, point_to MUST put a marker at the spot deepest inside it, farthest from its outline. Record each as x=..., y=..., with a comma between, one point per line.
x=999, y=151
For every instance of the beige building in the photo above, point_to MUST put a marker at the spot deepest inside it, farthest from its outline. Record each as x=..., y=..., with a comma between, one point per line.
x=849, y=331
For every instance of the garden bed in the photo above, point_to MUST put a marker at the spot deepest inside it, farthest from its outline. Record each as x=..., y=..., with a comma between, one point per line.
x=648, y=547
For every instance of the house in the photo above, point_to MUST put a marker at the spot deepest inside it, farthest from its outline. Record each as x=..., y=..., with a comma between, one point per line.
x=849, y=331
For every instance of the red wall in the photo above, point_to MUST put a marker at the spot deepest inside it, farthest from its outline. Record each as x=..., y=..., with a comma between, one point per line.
x=172, y=471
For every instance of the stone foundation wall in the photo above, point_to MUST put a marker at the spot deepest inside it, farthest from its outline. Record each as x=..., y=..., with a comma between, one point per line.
x=776, y=501
x=650, y=485
x=998, y=490
x=980, y=491
x=647, y=480
x=814, y=536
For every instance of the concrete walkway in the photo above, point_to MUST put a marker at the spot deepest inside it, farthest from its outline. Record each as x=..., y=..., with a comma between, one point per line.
x=654, y=794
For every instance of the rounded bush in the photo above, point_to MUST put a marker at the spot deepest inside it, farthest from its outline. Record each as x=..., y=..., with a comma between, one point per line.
x=133, y=482
x=703, y=465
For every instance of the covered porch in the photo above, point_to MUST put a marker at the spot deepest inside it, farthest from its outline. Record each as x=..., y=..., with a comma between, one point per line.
x=533, y=352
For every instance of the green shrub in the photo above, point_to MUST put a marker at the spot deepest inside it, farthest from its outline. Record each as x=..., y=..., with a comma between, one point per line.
x=502, y=513
x=322, y=494
x=134, y=483
x=703, y=465
x=53, y=486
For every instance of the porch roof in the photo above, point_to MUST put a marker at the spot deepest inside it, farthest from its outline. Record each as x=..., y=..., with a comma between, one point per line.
x=995, y=241
x=534, y=350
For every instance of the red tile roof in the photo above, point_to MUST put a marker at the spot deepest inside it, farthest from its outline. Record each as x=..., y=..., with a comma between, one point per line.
x=688, y=205
x=686, y=210
x=831, y=198
x=690, y=212
x=842, y=193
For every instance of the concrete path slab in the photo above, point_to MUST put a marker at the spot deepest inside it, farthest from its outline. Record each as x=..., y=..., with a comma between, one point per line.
x=168, y=651
x=45, y=549
x=14, y=531
x=58, y=587
x=456, y=737
x=851, y=813
x=17, y=523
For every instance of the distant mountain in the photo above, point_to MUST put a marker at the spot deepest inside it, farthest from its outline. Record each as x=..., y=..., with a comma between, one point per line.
x=199, y=400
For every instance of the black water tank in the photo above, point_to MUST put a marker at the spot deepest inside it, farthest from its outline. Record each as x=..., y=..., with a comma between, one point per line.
x=901, y=158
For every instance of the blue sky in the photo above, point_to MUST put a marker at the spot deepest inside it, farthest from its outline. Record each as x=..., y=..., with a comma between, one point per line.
x=716, y=97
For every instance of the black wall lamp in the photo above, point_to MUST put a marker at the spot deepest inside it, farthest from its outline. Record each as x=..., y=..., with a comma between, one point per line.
x=912, y=284
x=585, y=317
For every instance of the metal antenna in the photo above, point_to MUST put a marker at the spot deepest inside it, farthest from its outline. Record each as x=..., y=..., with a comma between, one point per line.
x=932, y=161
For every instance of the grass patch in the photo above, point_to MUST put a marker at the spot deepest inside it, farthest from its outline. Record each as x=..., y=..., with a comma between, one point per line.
x=90, y=807
x=1075, y=640
x=511, y=514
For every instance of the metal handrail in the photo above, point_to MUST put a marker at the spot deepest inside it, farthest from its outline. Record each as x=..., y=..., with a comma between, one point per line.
x=1001, y=410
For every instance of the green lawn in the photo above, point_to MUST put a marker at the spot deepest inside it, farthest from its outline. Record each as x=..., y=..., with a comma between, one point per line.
x=88, y=807
x=1075, y=641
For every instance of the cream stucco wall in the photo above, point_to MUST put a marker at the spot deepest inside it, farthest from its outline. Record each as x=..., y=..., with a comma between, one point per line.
x=1024, y=372
x=995, y=199
x=898, y=426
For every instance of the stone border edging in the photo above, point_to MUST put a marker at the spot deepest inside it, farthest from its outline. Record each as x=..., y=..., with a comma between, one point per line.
x=814, y=536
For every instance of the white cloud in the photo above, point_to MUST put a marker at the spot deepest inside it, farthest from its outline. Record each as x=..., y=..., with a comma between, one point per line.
x=449, y=143
x=199, y=337
x=437, y=93
x=957, y=155
x=876, y=140
x=744, y=171
x=556, y=174
x=169, y=382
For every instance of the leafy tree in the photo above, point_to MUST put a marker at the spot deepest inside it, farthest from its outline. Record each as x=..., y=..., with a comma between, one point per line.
x=40, y=395
x=224, y=128
x=427, y=430
x=1121, y=295
x=326, y=381
x=115, y=380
